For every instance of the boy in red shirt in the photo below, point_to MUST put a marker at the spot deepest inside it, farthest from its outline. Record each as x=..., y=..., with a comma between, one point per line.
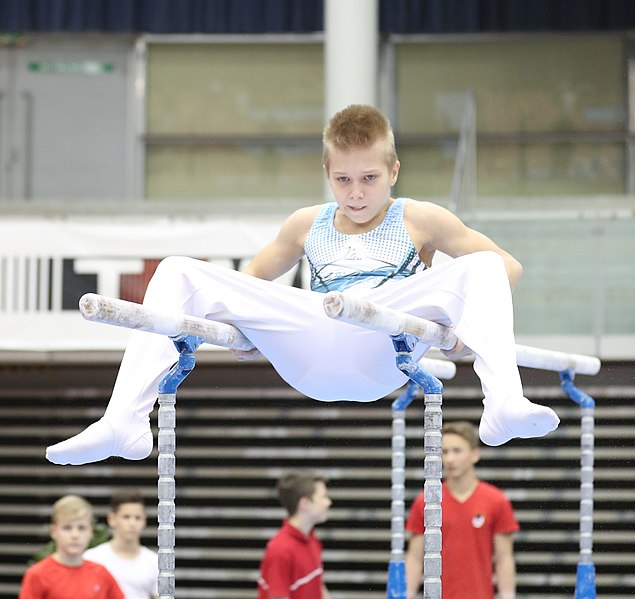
x=65, y=574
x=292, y=565
x=477, y=527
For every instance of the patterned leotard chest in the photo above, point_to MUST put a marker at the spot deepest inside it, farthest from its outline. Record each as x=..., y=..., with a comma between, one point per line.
x=339, y=261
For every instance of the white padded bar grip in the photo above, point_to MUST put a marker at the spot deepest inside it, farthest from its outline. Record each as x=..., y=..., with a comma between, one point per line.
x=130, y=315
x=378, y=318
x=357, y=311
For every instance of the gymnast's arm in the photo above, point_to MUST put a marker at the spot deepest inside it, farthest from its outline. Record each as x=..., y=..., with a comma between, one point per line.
x=281, y=254
x=433, y=228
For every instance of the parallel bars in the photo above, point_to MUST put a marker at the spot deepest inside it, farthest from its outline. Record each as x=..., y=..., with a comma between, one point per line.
x=189, y=332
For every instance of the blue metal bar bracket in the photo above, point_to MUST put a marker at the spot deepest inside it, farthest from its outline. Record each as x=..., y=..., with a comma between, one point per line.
x=577, y=395
x=186, y=346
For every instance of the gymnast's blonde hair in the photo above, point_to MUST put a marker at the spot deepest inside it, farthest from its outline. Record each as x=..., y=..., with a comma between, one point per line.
x=359, y=126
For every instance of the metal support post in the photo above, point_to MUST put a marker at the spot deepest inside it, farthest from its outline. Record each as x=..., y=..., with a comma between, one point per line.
x=585, y=574
x=433, y=419
x=166, y=515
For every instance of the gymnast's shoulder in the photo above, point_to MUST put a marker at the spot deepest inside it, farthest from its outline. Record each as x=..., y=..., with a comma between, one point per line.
x=302, y=218
x=429, y=217
x=424, y=208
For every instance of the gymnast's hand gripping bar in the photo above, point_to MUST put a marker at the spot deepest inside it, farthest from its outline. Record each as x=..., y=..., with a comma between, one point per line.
x=363, y=313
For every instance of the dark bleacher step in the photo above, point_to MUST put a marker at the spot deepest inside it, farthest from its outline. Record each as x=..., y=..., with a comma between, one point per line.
x=239, y=428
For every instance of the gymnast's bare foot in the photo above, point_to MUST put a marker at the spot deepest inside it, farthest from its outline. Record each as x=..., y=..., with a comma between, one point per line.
x=515, y=418
x=131, y=440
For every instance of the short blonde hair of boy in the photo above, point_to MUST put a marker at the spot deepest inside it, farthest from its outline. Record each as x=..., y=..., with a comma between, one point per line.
x=463, y=429
x=359, y=126
x=72, y=507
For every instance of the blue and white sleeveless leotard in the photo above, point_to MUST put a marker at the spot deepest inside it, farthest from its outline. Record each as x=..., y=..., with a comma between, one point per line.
x=339, y=261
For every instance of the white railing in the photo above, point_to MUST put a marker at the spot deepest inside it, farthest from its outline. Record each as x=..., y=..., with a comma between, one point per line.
x=47, y=264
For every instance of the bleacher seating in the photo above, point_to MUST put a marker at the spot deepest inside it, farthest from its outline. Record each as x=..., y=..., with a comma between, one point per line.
x=239, y=427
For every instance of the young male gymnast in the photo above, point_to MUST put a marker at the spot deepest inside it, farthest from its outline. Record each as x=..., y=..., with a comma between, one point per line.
x=364, y=243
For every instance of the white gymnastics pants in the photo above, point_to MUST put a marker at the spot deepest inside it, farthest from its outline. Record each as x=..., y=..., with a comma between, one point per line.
x=326, y=359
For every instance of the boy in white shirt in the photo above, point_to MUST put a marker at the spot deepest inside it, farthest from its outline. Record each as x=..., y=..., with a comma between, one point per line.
x=135, y=567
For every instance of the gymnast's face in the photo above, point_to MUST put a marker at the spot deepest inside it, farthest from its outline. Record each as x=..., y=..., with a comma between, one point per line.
x=361, y=182
x=457, y=456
